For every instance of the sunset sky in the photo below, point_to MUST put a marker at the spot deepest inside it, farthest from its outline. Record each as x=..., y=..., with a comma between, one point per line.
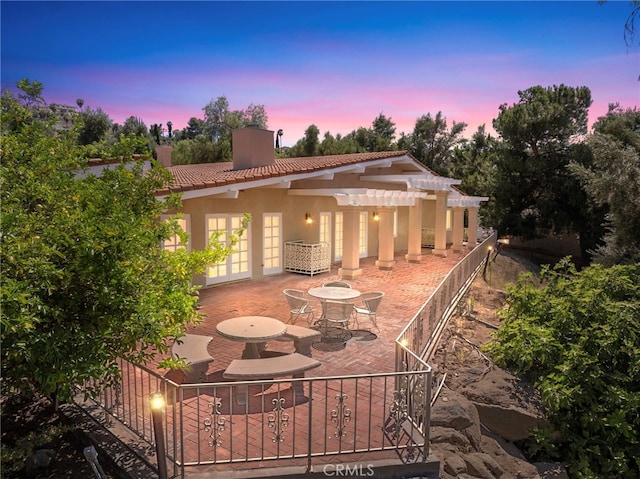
x=333, y=64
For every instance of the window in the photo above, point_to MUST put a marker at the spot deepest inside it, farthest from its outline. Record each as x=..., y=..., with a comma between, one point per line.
x=272, y=243
x=449, y=220
x=173, y=243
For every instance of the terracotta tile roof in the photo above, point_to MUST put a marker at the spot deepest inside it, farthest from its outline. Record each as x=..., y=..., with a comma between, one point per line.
x=208, y=175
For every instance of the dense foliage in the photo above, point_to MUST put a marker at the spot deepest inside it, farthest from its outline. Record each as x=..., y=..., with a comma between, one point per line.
x=85, y=279
x=612, y=179
x=578, y=339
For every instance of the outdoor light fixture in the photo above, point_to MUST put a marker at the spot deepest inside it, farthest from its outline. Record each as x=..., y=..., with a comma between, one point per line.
x=308, y=219
x=157, y=404
x=375, y=216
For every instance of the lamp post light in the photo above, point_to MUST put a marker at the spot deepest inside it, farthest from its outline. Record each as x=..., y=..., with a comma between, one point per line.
x=157, y=403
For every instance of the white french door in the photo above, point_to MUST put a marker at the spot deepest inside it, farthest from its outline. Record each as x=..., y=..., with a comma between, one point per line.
x=238, y=264
x=272, y=243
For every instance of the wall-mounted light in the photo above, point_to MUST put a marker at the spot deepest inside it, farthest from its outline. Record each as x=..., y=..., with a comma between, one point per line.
x=376, y=217
x=308, y=219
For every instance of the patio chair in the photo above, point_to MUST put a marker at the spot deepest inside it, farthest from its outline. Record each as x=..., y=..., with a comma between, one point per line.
x=336, y=314
x=371, y=302
x=336, y=284
x=298, y=305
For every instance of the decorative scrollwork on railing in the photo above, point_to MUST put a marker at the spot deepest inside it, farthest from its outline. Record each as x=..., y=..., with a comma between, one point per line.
x=215, y=424
x=278, y=420
x=418, y=400
x=399, y=409
x=341, y=415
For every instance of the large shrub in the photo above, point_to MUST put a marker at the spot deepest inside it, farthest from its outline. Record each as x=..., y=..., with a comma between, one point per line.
x=578, y=339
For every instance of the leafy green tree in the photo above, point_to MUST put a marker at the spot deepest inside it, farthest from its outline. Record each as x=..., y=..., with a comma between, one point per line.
x=309, y=144
x=31, y=93
x=198, y=150
x=134, y=125
x=474, y=162
x=85, y=280
x=95, y=126
x=220, y=120
x=536, y=194
x=578, y=339
x=432, y=141
x=384, y=132
x=156, y=132
x=194, y=127
x=612, y=180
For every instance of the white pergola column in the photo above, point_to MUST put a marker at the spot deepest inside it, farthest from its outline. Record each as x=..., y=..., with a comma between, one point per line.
x=386, y=259
x=350, y=244
x=440, y=246
x=472, y=227
x=458, y=228
x=414, y=250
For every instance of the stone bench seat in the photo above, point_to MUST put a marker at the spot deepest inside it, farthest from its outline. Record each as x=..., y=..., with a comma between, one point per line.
x=193, y=349
x=294, y=364
x=302, y=338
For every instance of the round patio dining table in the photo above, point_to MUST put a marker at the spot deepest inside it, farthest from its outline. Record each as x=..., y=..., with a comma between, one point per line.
x=252, y=330
x=334, y=293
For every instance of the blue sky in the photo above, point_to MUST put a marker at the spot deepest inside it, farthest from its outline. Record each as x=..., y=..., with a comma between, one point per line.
x=334, y=64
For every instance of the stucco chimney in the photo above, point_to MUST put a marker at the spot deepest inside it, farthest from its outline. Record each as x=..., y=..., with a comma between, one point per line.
x=163, y=153
x=252, y=147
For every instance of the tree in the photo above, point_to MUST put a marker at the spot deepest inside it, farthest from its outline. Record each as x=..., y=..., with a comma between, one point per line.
x=535, y=192
x=577, y=338
x=194, y=127
x=309, y=144
x=215, y=115
x=156, y=132
x=85, y=279
x=384, y=132
x=612, y=180
x=95, y=126
x=474, y=162
x=432, y=143
x=31, y=93
x=134, y=125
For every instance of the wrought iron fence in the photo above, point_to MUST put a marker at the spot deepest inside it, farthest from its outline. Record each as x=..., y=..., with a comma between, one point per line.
x=205, y=425
x=418, y=340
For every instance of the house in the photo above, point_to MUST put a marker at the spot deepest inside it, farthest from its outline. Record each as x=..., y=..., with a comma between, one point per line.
x=344, y=207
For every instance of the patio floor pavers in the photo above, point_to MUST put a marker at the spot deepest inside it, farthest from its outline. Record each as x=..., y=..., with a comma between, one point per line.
x=406, y=288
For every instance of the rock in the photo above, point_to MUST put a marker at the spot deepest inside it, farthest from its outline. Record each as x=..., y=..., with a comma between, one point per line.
x=477, y=466
x=448, y=435
x=551, y=470
x=453, y=410
x=455, y=466
x=510, y=458
x=513, y=424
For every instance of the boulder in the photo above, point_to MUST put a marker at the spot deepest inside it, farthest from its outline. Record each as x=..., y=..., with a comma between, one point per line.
x=510, y=423
x=455, y=465
x=477, y=466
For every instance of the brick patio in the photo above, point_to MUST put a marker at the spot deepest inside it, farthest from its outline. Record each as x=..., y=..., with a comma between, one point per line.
x=406, y=288
x=246, y=431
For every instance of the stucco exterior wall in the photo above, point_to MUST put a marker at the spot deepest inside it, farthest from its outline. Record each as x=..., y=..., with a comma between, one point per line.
x=256, y=202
